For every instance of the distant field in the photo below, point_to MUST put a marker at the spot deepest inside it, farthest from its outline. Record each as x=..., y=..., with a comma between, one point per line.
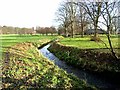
x=9, y=40
x=86, y=43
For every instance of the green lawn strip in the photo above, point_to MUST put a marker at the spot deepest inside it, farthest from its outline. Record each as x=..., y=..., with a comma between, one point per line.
x=88, y=59
x=8, y=39
x=24, y=67
x=86, y=43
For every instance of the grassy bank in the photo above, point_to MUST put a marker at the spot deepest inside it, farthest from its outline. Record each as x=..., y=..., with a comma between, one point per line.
x=98, y=62
x=89, y=59
x=24, y=68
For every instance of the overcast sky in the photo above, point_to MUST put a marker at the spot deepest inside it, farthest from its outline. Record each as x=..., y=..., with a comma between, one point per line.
x=28, y=13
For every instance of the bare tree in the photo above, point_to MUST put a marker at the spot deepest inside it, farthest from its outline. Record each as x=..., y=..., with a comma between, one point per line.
x=52, y=30
x=115, y=24
x=72, y=10
x=66, y=16
x=94, y=11
x=60, y=30
x=82, y=18
x=62, y=17
x=107, y=13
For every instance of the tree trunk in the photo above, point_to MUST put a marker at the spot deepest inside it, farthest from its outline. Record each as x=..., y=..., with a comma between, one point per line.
x=72, y=29
x=111, y=48
x=110, y=44
x=95, y=27
x=82, y=22
x=109, y=29
x=65, y=32
x=82, y=30
x=72, y=19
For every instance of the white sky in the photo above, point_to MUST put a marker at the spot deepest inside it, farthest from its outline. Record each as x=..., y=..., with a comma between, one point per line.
x=28, y=13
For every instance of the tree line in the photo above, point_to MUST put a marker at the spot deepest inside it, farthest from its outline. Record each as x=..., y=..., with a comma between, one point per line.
x=75, y=16
x=17, y=30
x=46, y=30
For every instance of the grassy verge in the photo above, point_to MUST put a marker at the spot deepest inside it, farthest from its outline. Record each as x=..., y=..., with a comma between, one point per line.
x=24, y=68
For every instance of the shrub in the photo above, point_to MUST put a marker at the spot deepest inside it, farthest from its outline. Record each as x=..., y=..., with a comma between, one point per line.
x=93, y=38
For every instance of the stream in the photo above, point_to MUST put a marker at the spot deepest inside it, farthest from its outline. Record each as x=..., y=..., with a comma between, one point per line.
x=82, y=74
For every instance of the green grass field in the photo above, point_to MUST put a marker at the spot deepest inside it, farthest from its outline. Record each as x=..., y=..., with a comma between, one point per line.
x=85, y=42
x=24, y=67
x=9, y=40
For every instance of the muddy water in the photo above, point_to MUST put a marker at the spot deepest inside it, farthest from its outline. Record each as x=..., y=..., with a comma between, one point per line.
x=87, y=76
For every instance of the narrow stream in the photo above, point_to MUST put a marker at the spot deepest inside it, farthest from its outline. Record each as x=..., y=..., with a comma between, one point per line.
x=88, y=77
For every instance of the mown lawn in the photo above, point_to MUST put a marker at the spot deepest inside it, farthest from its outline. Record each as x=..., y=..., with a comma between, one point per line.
x=9, y=40
x=85, y=43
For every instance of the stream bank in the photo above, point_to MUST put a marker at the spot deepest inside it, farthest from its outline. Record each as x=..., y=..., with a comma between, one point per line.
x=80, y=73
